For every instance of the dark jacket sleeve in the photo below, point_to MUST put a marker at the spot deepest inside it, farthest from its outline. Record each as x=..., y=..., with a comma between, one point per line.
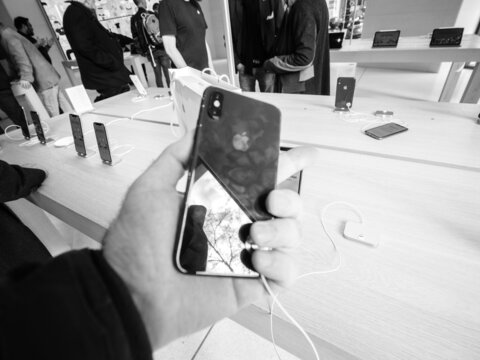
x=304, y=43
x=17, y=182
x=85, y=41
x=74, y=307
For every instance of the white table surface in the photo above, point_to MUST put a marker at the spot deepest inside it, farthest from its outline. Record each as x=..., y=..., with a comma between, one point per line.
x=156, y=107
x=85, y=193
x=439, y=133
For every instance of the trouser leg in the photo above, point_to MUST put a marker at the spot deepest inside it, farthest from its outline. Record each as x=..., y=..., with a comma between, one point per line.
x=12, y=108
x=49, y=99
x=247, y=82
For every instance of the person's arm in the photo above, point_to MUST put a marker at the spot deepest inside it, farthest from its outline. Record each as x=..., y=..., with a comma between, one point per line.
x=168, y=30
x=118, y=303
x=17, y=182
x=140, y=243
x=170, y=43
x=20, y=59
x=85, y=42
x=304, y=40
x=73, y=307
x=209, y=56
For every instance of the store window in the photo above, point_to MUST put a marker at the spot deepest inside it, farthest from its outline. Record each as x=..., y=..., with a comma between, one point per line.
x=348, y=16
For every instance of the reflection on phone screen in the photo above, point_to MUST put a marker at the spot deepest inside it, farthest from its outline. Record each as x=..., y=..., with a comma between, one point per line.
x=211, y=241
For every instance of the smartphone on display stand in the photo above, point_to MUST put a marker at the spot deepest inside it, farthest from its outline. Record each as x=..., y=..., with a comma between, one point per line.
x=232, y=169
x=386, y=130
x=25, y=130
x=344, y=93
x=103, y=145
x=39, y=129
x=78, y=139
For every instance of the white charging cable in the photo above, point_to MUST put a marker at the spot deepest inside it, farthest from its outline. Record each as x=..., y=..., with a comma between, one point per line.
x=46, y=130
x=335, y=268
x=150, y=109
x=129, y=146
x=10, y=137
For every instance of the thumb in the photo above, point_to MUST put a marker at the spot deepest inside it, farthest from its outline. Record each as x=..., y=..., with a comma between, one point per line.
x=170, y=166
x=296, y=159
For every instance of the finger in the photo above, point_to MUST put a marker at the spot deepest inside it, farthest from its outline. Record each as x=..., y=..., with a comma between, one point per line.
x=276, y=265
x=171, y=164
x=296, y=159
x=277, y=233
x=284, y=203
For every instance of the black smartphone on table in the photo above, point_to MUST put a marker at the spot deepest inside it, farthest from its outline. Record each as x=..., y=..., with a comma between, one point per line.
x=232, y=169
x=38, y=127
x=344, y=93
x=386, y=130
x=102, y=142
x=77, y=133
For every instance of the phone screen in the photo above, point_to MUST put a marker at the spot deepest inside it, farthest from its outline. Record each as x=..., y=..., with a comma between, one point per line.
x=385, y=130
x=386, y=38
x=77, y=133
x=38, y=127
x=102, y=141
x=232, y=170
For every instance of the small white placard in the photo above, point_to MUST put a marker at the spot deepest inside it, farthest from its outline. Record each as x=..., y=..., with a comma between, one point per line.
x=79, y=99
x=138, y=85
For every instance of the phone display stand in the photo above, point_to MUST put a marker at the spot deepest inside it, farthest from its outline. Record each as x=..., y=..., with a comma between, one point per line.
x=139, y=98
x=48, y=141
x=115, y=161
x=90, y=152
x=346, y=108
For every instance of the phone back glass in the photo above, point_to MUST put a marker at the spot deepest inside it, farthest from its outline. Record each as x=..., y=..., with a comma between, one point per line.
x=232, y=170
x=102, y=141
x=38, y=127
x=344, y=93
x=77, y=133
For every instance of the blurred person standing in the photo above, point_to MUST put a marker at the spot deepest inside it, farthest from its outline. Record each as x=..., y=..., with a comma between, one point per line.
x=32, y=69
x=255, y=27
x=148, y=44
x=8, y=103
x=25, y=28
x=183, y=28
x=97, y=50
x=302, y=63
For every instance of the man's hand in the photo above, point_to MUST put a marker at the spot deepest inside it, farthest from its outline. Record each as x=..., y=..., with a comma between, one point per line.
x=24, y=84
x=140, y=247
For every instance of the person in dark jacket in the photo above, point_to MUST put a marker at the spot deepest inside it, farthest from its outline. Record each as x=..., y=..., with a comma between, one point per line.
x=18, y=245
x=8, y=103
x=127, y=299
x=255, y=27
x=98, y=53
x=302, y=63
x=156, y=54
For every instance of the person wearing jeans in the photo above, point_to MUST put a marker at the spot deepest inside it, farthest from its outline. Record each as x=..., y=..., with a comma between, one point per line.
x=266, y=80
x=255, y=26
x=32, y=69
x=53, y=99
